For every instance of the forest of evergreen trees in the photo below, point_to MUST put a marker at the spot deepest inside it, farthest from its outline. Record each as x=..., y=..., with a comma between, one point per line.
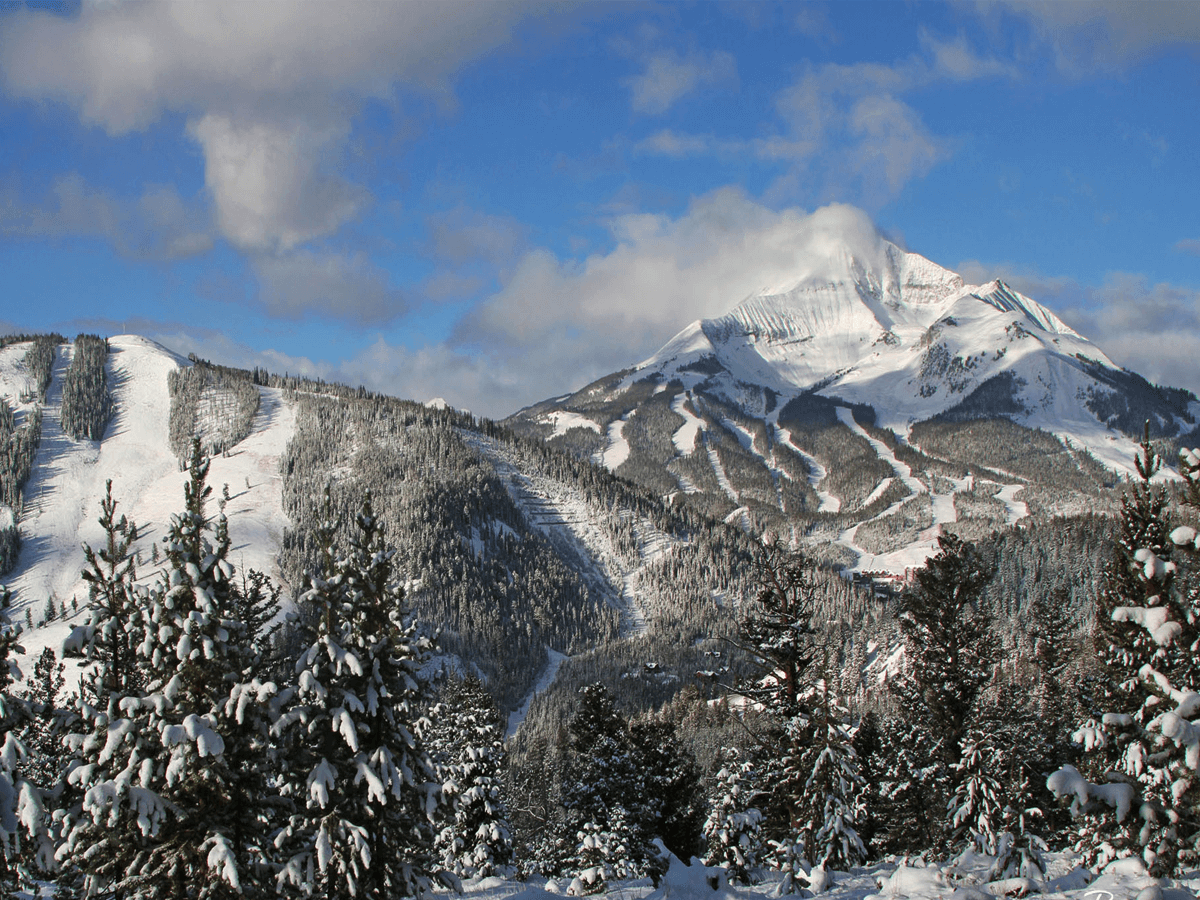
x=763, y=719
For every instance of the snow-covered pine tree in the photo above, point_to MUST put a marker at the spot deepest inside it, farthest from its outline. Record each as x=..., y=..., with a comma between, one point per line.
x=733, y=829
x=976, y=806
x=608, y=811
x=363, y=786
x=467, y=743
x=115, y=619
x=902, y=815
x=949, y=653
x=1140, y=794
x=162, y=815
x=1009, y=744
x=830, y=805
x=672, y=776
x=26, y=848
x=778, y=634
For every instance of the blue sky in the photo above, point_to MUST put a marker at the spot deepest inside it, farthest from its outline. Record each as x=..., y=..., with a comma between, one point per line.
x=496, y=202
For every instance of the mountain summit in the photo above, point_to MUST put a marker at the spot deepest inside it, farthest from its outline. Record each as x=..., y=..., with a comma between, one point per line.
x=880, y=349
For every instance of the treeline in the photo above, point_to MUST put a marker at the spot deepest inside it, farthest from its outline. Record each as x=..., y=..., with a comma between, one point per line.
x=86, y=403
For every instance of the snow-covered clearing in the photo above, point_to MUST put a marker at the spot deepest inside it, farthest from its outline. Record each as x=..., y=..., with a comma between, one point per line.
x=942, y=508
x=684, y=437
x=883, y=881
x=67, y=483
x=1017, y=509
x=616, y=449
x=564, y=420
x=554, y=661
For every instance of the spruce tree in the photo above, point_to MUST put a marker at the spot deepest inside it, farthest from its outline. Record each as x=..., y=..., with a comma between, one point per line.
x=115, y=617
x=467, y=744
x=607, y=812
x=1138, y=794
x=162, y=814
x=733, y=829
x=364, y=790
x=830, y=803
x=949, y=653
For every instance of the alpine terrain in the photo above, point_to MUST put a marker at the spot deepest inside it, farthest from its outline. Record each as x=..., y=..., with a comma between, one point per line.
x=868, y=404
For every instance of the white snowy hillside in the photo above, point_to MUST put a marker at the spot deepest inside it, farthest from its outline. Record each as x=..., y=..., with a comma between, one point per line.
x=67, y=481
x=876, y=389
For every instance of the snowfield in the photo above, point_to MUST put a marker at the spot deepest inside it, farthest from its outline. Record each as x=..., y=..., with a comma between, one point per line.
x=67, y=483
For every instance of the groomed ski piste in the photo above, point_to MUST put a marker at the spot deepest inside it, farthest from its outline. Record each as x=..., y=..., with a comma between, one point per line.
x=147, y=485
x=903, y=879
x=943, y=510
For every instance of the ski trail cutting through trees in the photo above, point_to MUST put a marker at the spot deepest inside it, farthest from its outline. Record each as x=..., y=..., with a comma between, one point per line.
x=883, y=451
x=816, y=472
x=561, y=514
x=554, y=661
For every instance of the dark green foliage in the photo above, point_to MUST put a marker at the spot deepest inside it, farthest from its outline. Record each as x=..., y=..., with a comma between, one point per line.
x=18, y=447
x=7, y=340
x=949, y=643
x=673, y=779
x=810, y=411
x=1058, y=477
x=115, y=617
x=213, y=403
x=363, y=788
x=86, y=403
x=995, y=397
x=1146, y=637
x=39, y=362
x=900, y=529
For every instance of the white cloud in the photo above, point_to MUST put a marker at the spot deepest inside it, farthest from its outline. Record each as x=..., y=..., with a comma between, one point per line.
x=339, y=286
x=1105, y=35
x=559, y=323
x=670, y=76
x=849, y=123
x=461, y=236
x=269, y=90
x=159, y=224
x=1188, y=245
x=668, y=142
x=273, y=187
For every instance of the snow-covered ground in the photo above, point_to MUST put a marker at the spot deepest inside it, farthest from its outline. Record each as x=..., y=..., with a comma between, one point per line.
x=684, y=437
x=884, y=881
x=616, y=448
x=66, y=486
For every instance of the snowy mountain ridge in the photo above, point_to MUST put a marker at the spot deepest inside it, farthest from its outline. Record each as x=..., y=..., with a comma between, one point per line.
x=888, y=340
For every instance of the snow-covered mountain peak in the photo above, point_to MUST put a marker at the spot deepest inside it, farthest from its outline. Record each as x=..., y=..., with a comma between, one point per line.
x=999, y=295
